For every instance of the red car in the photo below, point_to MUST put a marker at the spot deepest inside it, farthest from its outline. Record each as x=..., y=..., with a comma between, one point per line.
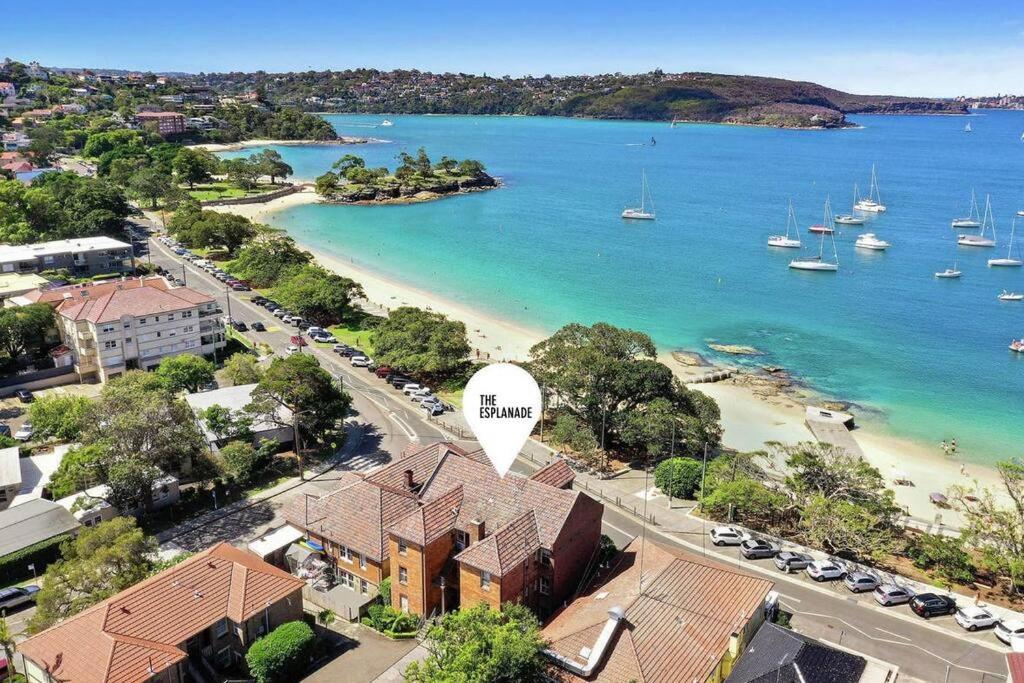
x=298, y=340
x=383, y=371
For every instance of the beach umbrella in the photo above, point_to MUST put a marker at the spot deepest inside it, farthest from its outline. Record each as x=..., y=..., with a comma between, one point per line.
x=938, y=498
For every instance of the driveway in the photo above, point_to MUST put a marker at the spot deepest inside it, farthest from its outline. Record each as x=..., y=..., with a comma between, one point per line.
x=363, y=656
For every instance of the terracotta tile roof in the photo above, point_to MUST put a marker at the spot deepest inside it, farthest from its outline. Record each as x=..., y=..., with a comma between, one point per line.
x=431, y=521
x=1015, y=663
x=679, y=627
x=118, y=640
x=506, y=548
x=557, y=474
x=422, y=461
x=620, y=664
x=131, y=301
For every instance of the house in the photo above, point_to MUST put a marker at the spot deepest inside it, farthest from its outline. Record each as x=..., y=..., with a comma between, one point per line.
x=83, y=257
x=33, y=522
x=37, y=72
x=654, y=615
x=7, y=89
x=15, y=140
x=10, y=475
x=94, y=507
x=72, y=108
x=16, y=284
x=131, y=323
x=449, y=531
x=37, y=114
x=236, y=399
x=202, y=613
x=783, y=656
x=163, y=122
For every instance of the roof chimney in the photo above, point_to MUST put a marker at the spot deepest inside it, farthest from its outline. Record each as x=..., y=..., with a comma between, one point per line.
x=476, y=530
x=408, y=479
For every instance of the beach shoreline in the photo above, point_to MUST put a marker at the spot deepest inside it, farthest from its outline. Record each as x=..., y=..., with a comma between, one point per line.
x=755, y=408
x=249, y=144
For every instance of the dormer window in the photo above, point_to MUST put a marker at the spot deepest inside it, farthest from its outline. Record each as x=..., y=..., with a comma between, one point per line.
x=403, y=547
x=485, y=581
x=461, y=539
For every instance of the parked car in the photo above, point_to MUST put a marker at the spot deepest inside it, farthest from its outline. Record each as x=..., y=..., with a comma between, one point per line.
x=890, y=594
x=360, y=361
x=424, y=398
x=825, y=570
x=930, y=605
x=301, y=324
x=281, y=313
x=257, y=326
x=239, y=325
x=286, y=318
x=433, y=409
x=399, y=381
x=15, y=596
x=348, y=352
x=24, y=432
x=420, y=393
x=727, y=535
x=757, y=549
x=972, y=617
x=790, y=561
x=383, y=371
x=338, y=348
x=239, y=287
x=410, y=387
x=24, y=395
x=1007, y=631
x=861, y=582
x=315, y=330
x=258, y=300
x=292, y=348
x=5, y=429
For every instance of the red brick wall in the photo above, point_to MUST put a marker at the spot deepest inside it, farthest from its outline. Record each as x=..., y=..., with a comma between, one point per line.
x=573, y=549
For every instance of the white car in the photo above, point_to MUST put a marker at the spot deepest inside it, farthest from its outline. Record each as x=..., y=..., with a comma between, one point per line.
x=420, y=393
x=25, y=433
x=292, y=348
x=424, y=398
x=411, y=388
x=972, y=617
x=825, y=570
x=1010, y=630
x=360, y=361
x=315, y=331
x=727, y=535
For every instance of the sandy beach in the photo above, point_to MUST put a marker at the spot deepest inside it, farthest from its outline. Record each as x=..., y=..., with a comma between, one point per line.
x=753, y=412
x=247, y=144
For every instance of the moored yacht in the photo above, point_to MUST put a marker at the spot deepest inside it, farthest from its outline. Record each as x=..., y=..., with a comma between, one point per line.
x=873, y=202
x=848, y=218
x=1011, y=296
x=642, y=213
x=981, y=239
x=827, y=225
x=818, y=263
x=1009, y=261
x=973, y=217
x=786, y=241
x=870, y=241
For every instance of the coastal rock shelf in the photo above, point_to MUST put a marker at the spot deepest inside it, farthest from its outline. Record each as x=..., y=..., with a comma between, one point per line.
x=399, y=194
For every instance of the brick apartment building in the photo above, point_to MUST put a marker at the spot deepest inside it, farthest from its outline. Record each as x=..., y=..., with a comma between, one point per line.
x=131, y=323
x=177, y=626
x=450, y=532
x=163, y=122
x=82, y=257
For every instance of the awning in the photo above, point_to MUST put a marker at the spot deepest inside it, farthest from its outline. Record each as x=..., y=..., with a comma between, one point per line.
x=275, y=540
x=313, y=545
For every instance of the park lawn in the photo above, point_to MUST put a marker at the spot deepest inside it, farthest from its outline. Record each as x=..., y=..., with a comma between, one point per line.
x=223, y=190
x=353, y=336
x=453, y=397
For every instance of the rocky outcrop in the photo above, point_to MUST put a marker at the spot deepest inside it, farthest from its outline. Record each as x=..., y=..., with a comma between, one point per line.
x=418, y=192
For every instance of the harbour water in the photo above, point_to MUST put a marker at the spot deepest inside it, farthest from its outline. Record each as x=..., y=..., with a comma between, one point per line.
x=928, y=357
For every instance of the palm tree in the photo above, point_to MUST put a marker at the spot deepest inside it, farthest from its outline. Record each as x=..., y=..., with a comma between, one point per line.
x=7, y=644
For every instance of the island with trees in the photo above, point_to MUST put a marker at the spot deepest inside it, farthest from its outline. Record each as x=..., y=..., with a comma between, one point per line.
x=417, y=179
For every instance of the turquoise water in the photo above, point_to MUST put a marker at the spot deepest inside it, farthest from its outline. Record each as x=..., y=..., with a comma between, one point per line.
x=549, y=248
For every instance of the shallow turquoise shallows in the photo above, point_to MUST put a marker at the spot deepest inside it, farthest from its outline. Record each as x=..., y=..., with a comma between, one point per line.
x=550, y=248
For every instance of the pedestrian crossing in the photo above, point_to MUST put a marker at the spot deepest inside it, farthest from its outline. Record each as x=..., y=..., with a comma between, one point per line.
x=364, y=462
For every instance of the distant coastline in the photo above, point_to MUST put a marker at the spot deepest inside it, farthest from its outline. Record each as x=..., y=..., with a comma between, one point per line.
x=248, y=144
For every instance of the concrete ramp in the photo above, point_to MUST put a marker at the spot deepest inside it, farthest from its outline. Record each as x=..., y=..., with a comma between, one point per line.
x=835, y=433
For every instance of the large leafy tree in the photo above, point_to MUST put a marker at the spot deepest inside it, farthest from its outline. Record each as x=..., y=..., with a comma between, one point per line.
x=481, y=645
x=150, y=184
x=243, y=368
x=24, y=329
x=59, y=206
x=192, y=165
x=421, y=342
x=271, y=164
x=185, y=372
x=265, y=260
x=317, y=294
x=202, y=228
x=101, y=561
x=59, y=416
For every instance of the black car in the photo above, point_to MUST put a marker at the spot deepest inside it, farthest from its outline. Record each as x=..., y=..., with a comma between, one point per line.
x=399, y=382
x=347, y=352
x=259, y=300
x=239, y=325
x=757, y=549
x=304, y=326
x=271, y=306
x=24, y=395
x=258, y=327
x=929, y=605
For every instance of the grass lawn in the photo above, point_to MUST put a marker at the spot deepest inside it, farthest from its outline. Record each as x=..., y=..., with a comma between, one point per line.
x=208, y=191
x=353, y=336
x=453, y=397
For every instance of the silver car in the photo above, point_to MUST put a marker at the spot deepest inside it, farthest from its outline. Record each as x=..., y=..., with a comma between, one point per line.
x=861, y=582
x=890, y=594
x=16, y=596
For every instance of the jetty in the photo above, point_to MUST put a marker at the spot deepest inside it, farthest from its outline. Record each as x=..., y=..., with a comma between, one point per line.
x=833, y=427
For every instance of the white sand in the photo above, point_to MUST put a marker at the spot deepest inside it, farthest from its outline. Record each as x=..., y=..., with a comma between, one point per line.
x=247, y=144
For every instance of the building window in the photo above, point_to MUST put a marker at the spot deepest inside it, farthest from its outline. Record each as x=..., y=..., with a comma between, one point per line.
x=403, y=602
x=186, y=314
x=362, y=561
x=127, y=340
x=128, y=325
x=346, y=579
x=224, y=657
x=461, y=539
x=544, y=557
x=170, y=316
x=156, y=318
x=220, y=629
x=485, y=581
x=403, y=575
x=142, y=321
x=402, y=547
x=189, y=328
x=107, y=328
x=110, y=344
x=364, y=586
x=345, y=552
x=3, y=495
x=544, y=585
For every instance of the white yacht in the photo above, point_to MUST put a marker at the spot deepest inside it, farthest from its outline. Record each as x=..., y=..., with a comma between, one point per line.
x=386, y=123
x=818, y=263
x=967, y=128
x=849, y=218
x=1011, y=296
x=949, y=273
x=981, y=239
x=1009, y=261
x=870, y=241
x=642, y=213
x=786, y=241
x=873, y=202
x=827, y=225
x=1021, y=213
x=973, y=217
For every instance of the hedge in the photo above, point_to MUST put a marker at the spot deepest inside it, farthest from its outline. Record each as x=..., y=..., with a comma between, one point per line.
x=283, y=655
x=14, y=566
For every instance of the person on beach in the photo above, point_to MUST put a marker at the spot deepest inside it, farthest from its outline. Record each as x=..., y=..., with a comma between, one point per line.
x=952, y=446
x=945, y=448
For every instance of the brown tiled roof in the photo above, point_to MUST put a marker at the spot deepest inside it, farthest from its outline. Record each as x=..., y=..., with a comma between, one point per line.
x=506, y=548
x=557, y=474
x=109, y=301
x=55, y=295
x=680, y=625
x=431, y=521
x=136, y=633
x=421, y=460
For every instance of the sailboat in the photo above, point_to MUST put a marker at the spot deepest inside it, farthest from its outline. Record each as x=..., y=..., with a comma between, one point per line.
x=827, y=226
x=967, y=128
x=954, y=272
x=1009, y=261
x=642, y=213
x=785, y=240
x=972, y=219
x=818, y=263
x=850, y=219
x=980, y=240
x=873, y=202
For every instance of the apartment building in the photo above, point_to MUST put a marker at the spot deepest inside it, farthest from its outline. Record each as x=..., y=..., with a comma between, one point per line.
x=164, y=122
x=180, y=625
x=82, y=257
x=449, y=531
x=132, y=323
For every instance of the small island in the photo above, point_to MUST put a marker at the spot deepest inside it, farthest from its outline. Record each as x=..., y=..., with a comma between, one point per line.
x=417, y=179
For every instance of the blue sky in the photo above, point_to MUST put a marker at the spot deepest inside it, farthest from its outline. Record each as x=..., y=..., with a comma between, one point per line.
x=911, y=47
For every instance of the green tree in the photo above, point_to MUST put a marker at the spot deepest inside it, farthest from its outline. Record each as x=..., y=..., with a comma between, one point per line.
x=59, y=416
x=678, y=477
x=848, y=528
x=283, y=655
x=228, y=424
x=447, y=164
x=423, y=164
x=101, y=561
x=185, y=372
x=45, y=140
x=242, y=172
x=347, y=162
x=271, y=164
x=243, y=368
x=197, y=227
x=747, y=500
x=317, y=294
x=266, y=259
x=24, y=329
x=570, y=431
x=245, y=462
x=80, y=468
x=192, y=165
x=150, y=184
x=471, y=167
x=943, y=554
x=483, y=645
x=327, y=184
x=421, y=342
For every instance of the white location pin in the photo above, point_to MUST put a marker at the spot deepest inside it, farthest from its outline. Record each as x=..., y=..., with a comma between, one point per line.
x=501, y=403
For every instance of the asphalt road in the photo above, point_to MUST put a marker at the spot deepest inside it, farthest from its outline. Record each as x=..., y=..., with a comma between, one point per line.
x=926, y=651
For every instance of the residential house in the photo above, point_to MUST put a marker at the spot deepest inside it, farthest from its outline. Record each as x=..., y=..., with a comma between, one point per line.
x=449, y=531
x=37, y=72
x=200, y=614
x=656, y=615
x=15, y=140
x=94, y=507
x=163, y=122
x=32, y=522
x=83, y=257
x=10, y=475
x=72, y=108
x=236, y=399
x=37, y=114
x=131, y=323
x=7, y=89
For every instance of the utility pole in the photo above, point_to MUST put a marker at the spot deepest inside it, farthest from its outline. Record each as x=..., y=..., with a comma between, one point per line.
x=542, y=413
x=227, y=297
x=184, y=275
x=298, y=444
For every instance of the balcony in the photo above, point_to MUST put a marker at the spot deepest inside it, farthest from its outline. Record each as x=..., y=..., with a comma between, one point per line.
x=207, y=313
